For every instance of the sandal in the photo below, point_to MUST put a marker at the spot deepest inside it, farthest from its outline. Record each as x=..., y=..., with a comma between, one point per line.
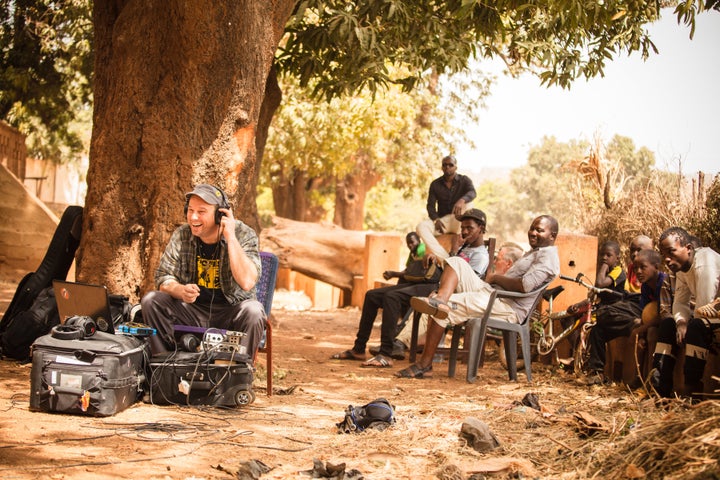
x=711, y=310
x=378, y=361
x=398, y=351
x=413, y=371
x=432, y=306
x=347, y=355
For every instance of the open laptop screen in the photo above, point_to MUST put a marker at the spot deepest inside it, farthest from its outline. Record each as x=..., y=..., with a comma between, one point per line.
x=86, y=300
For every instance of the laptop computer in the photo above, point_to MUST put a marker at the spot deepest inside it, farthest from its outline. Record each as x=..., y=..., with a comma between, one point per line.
x=83, y=299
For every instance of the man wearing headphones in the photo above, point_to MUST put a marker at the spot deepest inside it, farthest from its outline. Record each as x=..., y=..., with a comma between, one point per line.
x=207, y=274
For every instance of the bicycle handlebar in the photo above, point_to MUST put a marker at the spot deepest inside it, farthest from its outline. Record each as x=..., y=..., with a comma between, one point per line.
x=579, y=280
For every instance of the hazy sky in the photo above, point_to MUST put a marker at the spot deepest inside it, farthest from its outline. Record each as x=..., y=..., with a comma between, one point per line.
x=669, y=103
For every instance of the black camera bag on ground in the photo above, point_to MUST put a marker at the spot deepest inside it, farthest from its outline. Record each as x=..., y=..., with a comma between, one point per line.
x=377, y=414
x=98, y=375
x=201, y=378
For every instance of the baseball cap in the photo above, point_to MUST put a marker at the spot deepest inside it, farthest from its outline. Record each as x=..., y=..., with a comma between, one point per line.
x=209, y=193
x=475, y=214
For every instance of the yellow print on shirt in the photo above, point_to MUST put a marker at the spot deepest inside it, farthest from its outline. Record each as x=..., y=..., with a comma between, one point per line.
x=208, y=272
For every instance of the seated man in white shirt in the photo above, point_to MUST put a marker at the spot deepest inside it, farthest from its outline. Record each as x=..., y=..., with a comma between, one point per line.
x=462, y=296
x=507, y=255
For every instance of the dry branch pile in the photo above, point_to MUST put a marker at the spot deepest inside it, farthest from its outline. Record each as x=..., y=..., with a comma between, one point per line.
x=685, y=444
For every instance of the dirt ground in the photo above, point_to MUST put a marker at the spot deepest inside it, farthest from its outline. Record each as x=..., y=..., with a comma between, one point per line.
x=576, y=427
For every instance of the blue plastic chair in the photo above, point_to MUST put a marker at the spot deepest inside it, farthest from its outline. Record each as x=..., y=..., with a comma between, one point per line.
x=265, y=290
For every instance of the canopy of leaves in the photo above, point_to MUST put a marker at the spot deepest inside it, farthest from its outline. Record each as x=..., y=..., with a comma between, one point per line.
x=321, y=139
x=46, y=71
x=343, y=47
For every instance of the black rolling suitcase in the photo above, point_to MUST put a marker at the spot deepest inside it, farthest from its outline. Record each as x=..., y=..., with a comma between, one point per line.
x=97, y=375
x=201, y=378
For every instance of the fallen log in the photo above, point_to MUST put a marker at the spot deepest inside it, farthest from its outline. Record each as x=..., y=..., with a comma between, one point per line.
x=322, y=251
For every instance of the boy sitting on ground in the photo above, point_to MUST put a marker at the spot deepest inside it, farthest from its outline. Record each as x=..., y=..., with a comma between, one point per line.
x=616, y=315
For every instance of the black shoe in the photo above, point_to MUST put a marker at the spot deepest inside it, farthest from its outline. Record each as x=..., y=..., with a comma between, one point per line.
x=398, y=351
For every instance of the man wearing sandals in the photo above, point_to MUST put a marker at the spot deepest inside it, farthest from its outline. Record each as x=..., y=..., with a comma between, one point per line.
x=461, y=296
x=507, y=254
x=396, y=298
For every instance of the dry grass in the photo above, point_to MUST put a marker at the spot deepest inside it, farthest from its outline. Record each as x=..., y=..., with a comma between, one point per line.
x=685, y=444
x=578, y=433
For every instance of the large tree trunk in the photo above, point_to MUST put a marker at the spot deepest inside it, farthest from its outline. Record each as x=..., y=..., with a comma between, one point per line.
x=178, y=90
x=319, y=250
x=290, y=196
x=271, y=101
x=350, y=194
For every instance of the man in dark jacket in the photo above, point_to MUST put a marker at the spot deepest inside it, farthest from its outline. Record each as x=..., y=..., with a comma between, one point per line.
x=449, y=196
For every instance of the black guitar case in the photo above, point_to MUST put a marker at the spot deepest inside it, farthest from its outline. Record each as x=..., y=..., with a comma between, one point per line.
x=55, y=265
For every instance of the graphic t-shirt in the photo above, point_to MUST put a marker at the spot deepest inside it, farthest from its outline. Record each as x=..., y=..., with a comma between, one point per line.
x=208, y=274
x=477, y=257
x=618, y=277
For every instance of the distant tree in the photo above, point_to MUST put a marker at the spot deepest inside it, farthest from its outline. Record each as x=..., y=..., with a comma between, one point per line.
x=395, y=210
x=545, y=183
x=607, y=172
x=322, y=154
x=507, y=214
x=635, y=163
x=46, y=73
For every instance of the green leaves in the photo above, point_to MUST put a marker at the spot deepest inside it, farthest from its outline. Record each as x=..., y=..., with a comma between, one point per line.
x=560, y=40
x=393, y=139
x=46, y=72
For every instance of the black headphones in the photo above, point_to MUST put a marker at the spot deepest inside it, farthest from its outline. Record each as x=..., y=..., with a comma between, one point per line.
x=75, y=328
x=224, y=203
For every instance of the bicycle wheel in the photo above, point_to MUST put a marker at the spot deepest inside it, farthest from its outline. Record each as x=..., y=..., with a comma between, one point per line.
x=542, y=344
x=581, y=354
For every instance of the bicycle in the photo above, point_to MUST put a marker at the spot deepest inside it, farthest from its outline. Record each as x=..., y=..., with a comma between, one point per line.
x=583, y=319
